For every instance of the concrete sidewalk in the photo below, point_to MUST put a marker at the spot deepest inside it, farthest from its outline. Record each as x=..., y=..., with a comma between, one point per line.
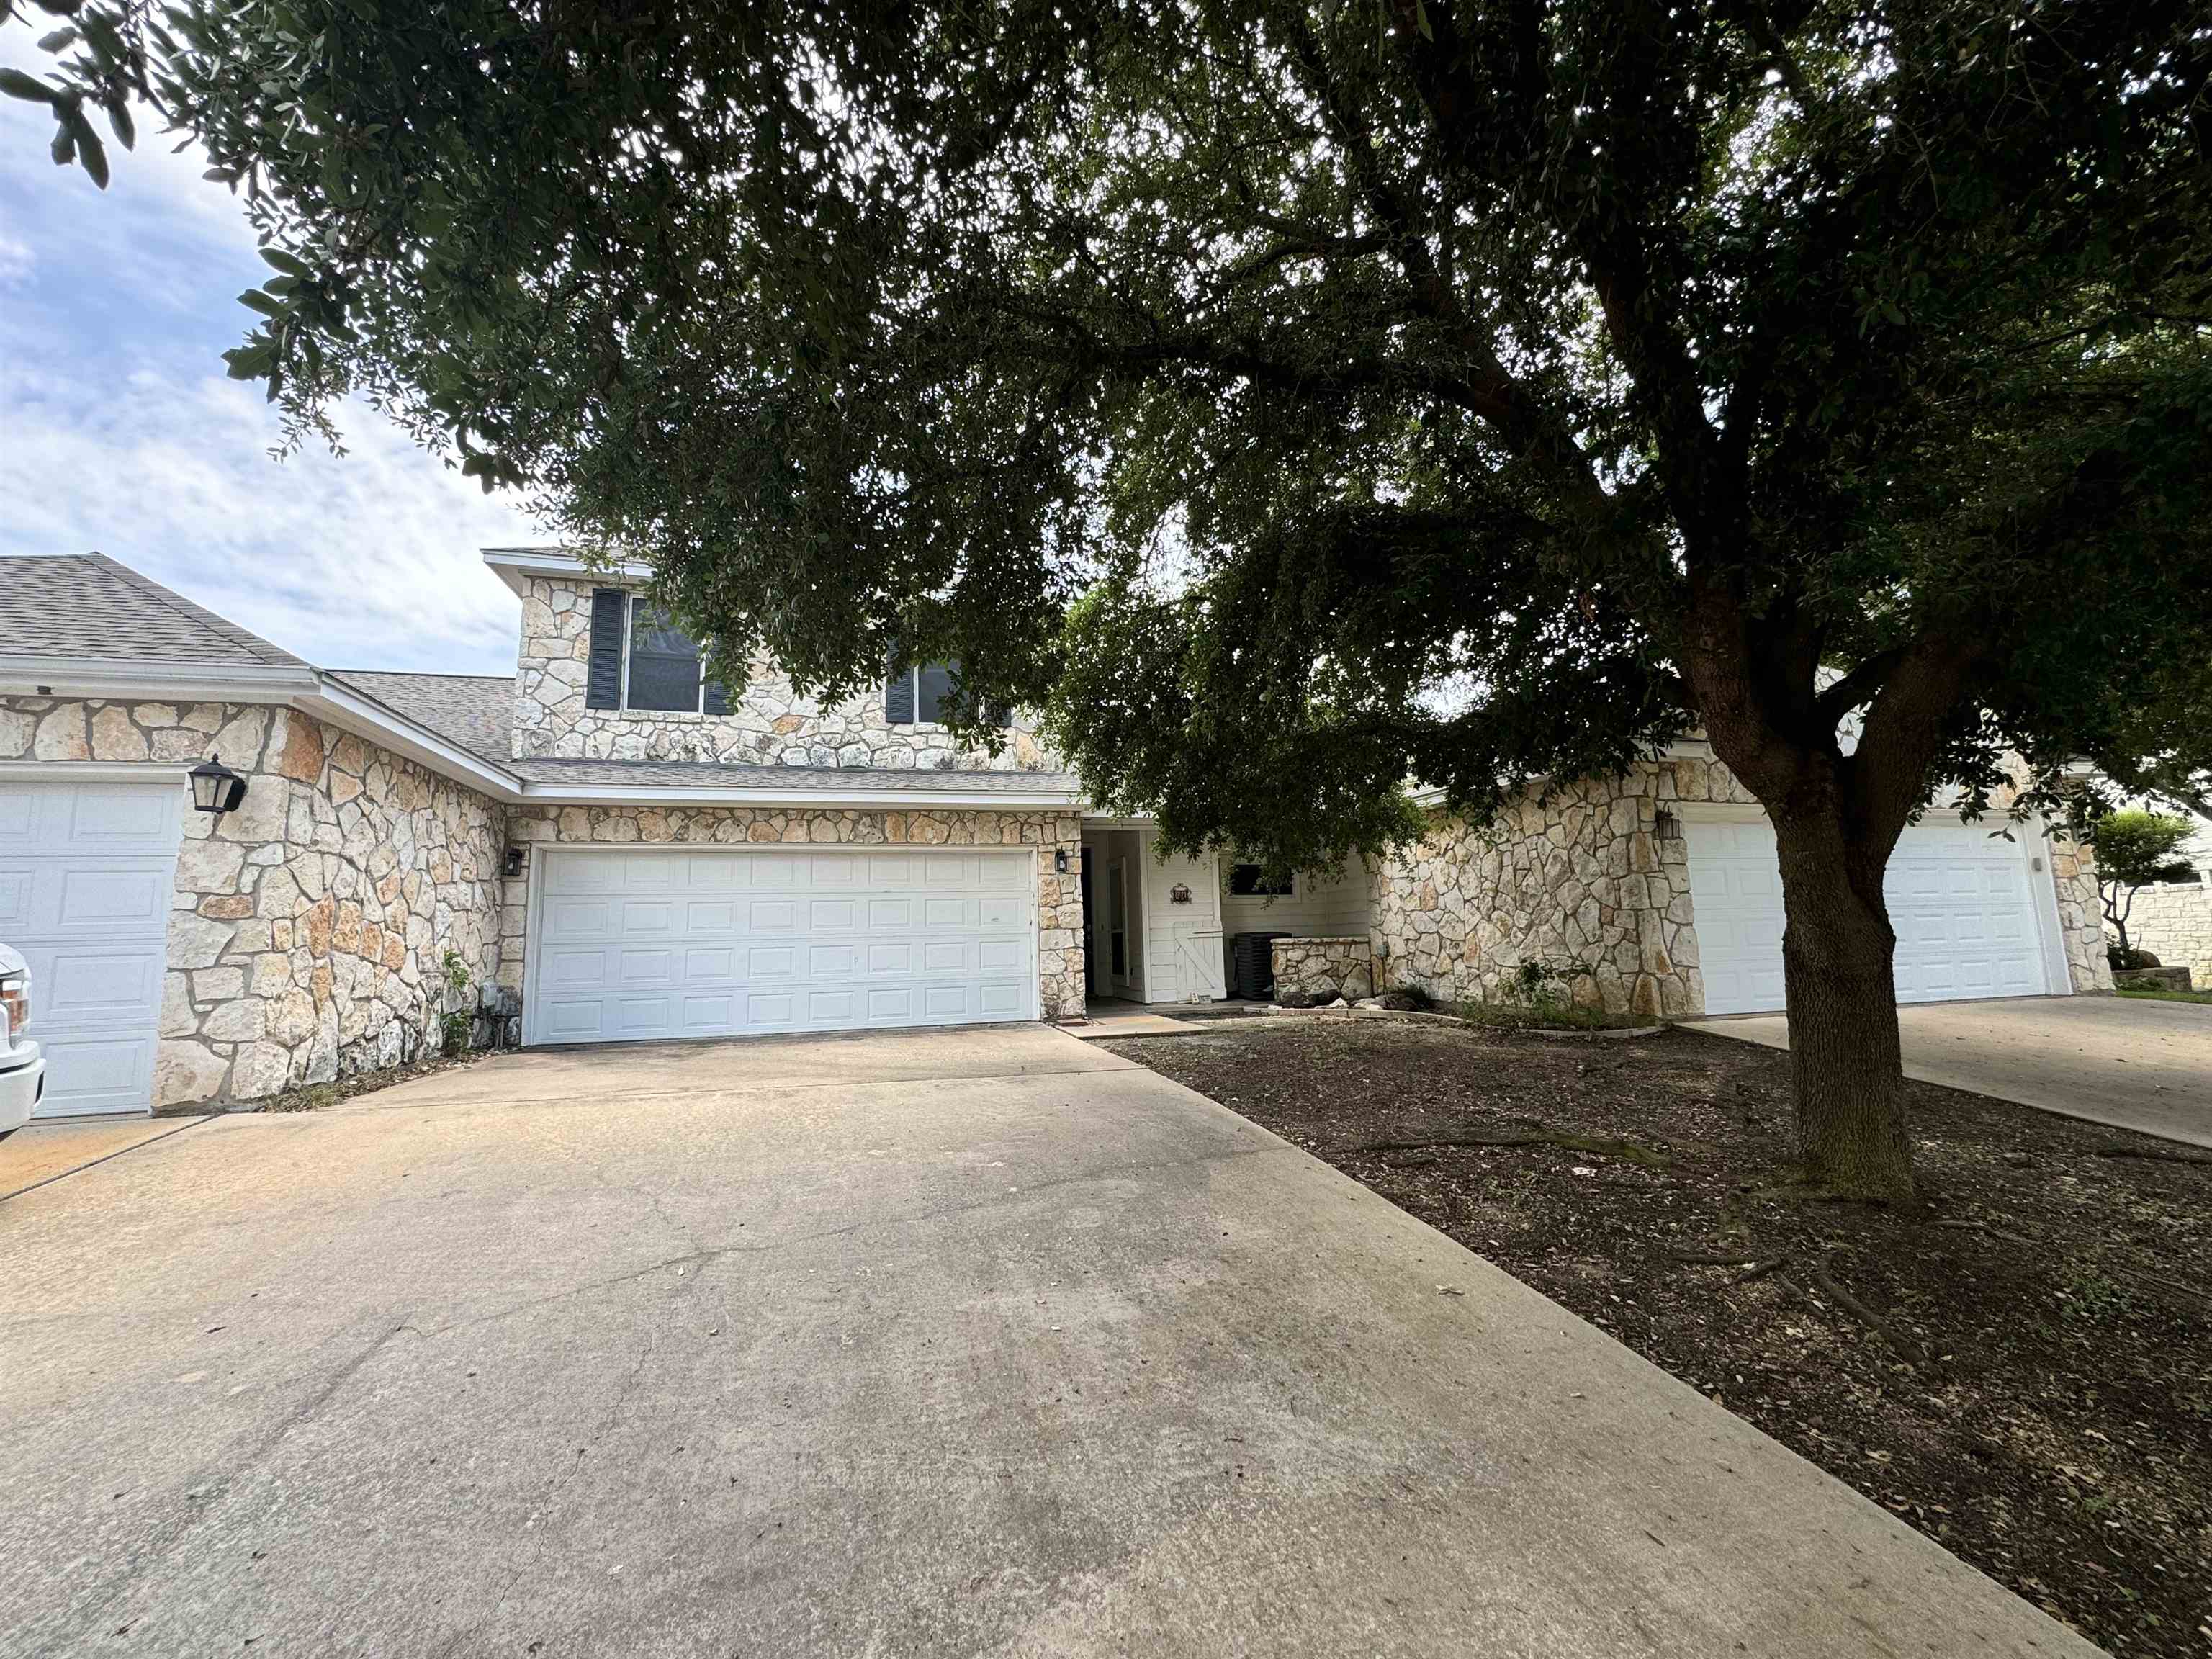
x=976, y=1343
x=2126, y=1062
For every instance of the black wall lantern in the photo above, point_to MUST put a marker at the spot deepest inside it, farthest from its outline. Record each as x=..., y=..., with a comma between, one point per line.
x=215, y=788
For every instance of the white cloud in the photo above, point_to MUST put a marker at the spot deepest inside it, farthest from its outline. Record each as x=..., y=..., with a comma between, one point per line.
x=121, y=432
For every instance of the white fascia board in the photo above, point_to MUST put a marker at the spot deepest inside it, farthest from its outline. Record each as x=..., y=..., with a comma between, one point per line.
x=172, y=772
x=164, y=682
x=354, y=713
x=898, y=800
x=515, y=565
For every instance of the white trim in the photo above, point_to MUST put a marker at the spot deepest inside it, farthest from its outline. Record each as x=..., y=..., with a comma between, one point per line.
x=1718, y=812
x=889, y=800
x=97, y=771
x=2043, y=885
x=515, y=565
x=76, y=677
x=533, y=896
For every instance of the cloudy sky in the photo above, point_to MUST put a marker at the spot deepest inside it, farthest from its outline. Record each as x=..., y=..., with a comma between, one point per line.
x=119, y=431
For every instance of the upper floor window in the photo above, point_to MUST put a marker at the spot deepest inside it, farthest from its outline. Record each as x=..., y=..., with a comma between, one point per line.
x=917, y=696
x=643, y=662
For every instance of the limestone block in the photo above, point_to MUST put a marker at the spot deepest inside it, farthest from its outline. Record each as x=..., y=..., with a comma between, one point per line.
x=17, y=730
x=217, y=984
x=196, y=941
x=177, y=1017
x=61, y=735
x=187, y=1073
x=210, y=866
x=260, y=1070
x=242, y=1020
x=114, y=737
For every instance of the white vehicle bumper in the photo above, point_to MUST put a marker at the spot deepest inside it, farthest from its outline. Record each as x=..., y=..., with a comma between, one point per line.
x=20, y=1085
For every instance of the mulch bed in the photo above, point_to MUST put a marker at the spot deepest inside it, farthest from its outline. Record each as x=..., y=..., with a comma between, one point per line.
x=314, y=1097
x=2022, y=1373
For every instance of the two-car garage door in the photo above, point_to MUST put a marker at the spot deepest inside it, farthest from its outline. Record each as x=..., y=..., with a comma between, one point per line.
x=1959, y=899
x=641, y=943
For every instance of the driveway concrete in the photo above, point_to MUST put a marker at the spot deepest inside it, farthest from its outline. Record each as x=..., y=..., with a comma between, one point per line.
x=2123, y=1060
x=971, y=1343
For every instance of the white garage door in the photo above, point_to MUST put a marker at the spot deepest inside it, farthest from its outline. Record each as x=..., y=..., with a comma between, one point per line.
x=86, y=871
x=698, y=942
x=1959, y=898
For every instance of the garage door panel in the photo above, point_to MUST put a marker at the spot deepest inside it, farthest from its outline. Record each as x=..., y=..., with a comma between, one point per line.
x=832, y=915
x=89, y=983
x=87, y=873
x=1002, y=999
x=15, y=901
x=802, y=940
x=712, y=962
x=1958, y=901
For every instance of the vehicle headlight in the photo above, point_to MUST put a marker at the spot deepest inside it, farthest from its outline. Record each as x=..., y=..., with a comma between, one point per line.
x=14, y=1006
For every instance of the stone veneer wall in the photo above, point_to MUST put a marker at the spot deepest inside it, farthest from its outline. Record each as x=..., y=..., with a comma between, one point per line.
x=308, y=929
x=1060, y=898
x=1323, y=967
x=2174, y=922
x=768, y=724
x=2080, y=914
x=1582, y=879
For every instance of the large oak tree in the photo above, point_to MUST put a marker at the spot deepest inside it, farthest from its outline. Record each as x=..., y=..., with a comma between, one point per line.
x=1298, y=398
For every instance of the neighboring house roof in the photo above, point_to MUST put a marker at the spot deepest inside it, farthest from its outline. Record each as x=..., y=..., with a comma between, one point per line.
x=474, y=711
x=79, y=605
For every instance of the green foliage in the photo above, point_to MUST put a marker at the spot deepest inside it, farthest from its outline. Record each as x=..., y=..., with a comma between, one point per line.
x=1335, y=393
x=2137, y=847
x=1294, y=399
x=456, y=1025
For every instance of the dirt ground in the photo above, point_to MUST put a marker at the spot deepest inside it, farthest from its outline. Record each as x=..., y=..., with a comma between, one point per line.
x=2023, y=1372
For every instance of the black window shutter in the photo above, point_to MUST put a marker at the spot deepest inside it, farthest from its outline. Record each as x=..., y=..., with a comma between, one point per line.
x=898, y=698
x=603, y=685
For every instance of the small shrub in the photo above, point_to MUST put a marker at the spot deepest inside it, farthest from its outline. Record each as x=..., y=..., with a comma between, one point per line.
x=456, y=1025
x=1298, y=1000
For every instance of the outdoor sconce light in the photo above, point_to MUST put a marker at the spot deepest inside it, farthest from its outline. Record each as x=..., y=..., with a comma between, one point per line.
x=215, y=788
x=1666, y=825
x=1178, y=894
x=513, y=863
x=1059, y=861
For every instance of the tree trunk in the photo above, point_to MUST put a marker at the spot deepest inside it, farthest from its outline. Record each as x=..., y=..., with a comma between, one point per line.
x=1846, y=1059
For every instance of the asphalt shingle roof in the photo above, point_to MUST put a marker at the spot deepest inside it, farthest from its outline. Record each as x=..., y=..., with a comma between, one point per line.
x=475, y=711
x=85, y=605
